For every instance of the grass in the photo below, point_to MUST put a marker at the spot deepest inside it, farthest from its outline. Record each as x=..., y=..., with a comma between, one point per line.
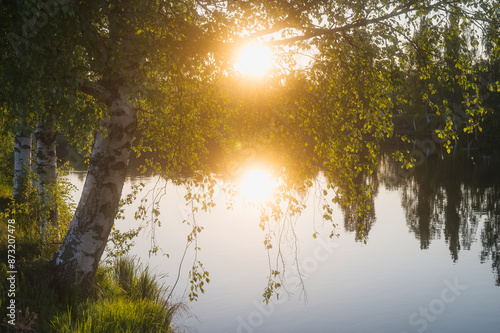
x=129, y=298
x=116, y=315
x=135, y=281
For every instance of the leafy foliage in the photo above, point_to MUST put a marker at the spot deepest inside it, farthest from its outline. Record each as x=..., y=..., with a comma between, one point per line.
x=27, y=210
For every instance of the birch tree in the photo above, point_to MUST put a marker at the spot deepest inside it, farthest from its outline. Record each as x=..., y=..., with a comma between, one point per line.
x=38, y=78
x=16, y=89
x=22, y=162
x=125, y=43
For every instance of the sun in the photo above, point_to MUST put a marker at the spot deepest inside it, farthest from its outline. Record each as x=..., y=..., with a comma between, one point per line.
x=257, y=186
x=254, y=59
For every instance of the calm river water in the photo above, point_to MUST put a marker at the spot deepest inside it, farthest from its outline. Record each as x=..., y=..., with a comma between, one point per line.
x=430, y=263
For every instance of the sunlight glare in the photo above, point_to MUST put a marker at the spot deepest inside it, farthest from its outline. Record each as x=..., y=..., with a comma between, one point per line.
x=257, y=186
x=254, y=60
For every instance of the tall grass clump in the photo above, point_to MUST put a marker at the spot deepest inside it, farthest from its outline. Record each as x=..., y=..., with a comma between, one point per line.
x=128, y=298
x=135, y=281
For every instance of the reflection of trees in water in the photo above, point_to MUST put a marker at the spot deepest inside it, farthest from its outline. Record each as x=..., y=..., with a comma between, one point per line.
x=423, y=213
x=447, y=198
x=361, y=224
x=489, y=234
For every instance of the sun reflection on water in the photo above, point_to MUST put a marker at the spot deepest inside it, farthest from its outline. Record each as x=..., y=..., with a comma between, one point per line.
x=257, y=186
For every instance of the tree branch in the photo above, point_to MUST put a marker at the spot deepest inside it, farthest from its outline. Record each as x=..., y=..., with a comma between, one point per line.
x=359, y=23
x=94, y=89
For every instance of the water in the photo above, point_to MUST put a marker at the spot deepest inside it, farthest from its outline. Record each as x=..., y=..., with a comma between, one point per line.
x=430, y=263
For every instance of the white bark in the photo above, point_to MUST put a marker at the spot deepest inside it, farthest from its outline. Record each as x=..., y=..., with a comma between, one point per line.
x=47, y=179
x=33, y=180
x=22, y=157
x=77, y=259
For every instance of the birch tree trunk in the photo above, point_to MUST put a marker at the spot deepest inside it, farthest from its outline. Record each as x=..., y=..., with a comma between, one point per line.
x=22, y=158
x=78, y=257
x=47, y=179
x=33, y=182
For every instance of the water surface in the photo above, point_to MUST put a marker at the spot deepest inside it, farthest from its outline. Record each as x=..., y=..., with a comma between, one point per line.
x=430, y=262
